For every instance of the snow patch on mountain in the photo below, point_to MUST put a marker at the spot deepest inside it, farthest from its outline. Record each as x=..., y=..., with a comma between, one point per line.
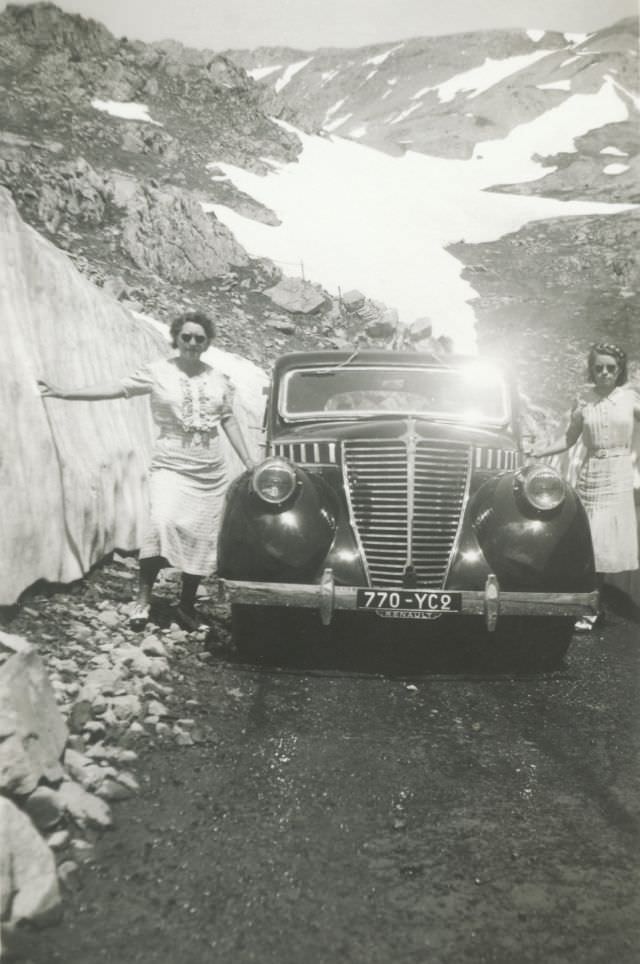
x=328, y=75
x=290, y=72
x=125, y=109
x=635, y=100
x=615, y=151
x=259, y=73
x=615, y=169
x=510, y=159
x=380, y=58
x=359, y=218
x=478, y=79
x=406, y=113
x=576, y=38
x=535, y=35
x=555, y=85
x=334, y=107
x=338, y=122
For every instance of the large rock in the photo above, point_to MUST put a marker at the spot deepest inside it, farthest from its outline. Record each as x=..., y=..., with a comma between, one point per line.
x=28, y=882
x=83, y=808
x=166, y=231
x=74, y=193
x=72, y=476
x=32, y=730
x=297, y=296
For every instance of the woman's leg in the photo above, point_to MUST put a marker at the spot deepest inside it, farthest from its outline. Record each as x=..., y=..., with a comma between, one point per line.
x=190, y=585
x=149, y=569
x=188, y=618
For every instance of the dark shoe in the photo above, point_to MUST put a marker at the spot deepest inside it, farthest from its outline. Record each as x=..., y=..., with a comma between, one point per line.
x=139, y=617
x=190, y=620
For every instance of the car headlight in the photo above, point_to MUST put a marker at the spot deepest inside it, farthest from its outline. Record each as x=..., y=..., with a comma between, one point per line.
x=274, y=480
x=543, y=488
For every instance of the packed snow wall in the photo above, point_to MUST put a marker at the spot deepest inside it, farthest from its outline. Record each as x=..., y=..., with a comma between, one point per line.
x=72, y=474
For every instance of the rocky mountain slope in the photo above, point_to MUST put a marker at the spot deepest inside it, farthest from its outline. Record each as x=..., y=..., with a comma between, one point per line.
x=545, y=290
x=443, y=95
x=122, y=196
x=110, y=147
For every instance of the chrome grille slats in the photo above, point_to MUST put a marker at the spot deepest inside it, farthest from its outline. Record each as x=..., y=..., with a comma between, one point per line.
x=406, y=498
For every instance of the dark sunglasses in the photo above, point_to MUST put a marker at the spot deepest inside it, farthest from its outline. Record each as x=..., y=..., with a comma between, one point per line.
x=199, y=339
x=610, y=369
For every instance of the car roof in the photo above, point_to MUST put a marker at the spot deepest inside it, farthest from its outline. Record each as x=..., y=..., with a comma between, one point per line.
x=368, y=357
x=363, y=357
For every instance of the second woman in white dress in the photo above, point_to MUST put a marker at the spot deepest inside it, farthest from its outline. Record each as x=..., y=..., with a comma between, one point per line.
x=604, y=419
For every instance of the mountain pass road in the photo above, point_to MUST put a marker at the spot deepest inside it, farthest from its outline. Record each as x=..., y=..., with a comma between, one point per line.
x=378, y=815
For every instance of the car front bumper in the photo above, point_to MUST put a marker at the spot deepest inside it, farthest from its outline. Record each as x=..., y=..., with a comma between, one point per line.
x=491, y=603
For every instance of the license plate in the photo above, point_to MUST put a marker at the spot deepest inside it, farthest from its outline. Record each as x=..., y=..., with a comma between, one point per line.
x=409, y=600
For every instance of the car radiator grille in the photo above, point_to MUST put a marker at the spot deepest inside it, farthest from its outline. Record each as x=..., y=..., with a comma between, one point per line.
x=406, y=498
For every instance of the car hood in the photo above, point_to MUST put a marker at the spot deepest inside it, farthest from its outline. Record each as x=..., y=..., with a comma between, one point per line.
x=393, y=428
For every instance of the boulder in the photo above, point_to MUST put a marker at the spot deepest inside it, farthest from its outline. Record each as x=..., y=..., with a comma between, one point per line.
x=75, y=193
x=29, y=889
x=166, y=231
x=83, y=808
x=32, y=730
x=44, y=807
x=384, y=326
x=297, y=296
x=420, y=329
x=352, y=300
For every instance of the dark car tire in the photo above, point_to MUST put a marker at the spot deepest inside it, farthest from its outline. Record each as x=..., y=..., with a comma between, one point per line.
x=530, y=644
x=267, y=634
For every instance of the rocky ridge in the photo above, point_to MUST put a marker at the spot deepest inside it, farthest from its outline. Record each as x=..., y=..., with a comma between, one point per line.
x=123, y=197
x=400, y=96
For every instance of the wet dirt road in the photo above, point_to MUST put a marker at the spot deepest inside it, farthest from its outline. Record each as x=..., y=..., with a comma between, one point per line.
x=348, y=816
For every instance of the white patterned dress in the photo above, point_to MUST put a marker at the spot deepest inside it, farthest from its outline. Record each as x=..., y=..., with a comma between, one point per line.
x=188, y=476
x=605, y=482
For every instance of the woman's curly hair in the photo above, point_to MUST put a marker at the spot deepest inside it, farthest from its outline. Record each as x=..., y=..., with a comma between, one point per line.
x=614, y=351
x=196, y=318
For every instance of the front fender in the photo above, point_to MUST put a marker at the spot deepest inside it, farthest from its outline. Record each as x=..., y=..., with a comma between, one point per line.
x=265, y=542
x=525, y=548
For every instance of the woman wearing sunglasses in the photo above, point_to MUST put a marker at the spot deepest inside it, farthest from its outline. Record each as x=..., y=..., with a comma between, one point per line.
x=190, y=404
x=604, y=420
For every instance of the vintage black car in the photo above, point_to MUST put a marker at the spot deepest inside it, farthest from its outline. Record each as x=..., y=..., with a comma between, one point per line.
x=397, y=485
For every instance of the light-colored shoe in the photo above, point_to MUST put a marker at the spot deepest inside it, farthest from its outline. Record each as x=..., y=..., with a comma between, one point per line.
x=586, y=624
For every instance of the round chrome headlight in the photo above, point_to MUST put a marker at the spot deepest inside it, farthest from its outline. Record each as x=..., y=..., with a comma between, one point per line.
x=274, y=480
x=543, y=488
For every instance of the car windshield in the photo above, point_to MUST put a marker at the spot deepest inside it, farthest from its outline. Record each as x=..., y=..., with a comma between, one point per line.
x=472, y=392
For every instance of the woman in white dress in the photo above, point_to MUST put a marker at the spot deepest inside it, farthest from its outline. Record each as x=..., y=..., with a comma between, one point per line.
x=190, y=404
x=604, y=418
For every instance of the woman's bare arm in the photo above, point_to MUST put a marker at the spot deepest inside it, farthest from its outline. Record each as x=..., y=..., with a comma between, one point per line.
x=570, y=438
x=235, y=436
x=88, y=393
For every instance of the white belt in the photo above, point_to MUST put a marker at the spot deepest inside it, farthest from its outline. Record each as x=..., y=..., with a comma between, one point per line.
x=610, y=453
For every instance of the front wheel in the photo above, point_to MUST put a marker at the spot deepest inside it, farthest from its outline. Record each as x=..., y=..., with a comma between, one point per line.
x=268, y=634
x=533, y=643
